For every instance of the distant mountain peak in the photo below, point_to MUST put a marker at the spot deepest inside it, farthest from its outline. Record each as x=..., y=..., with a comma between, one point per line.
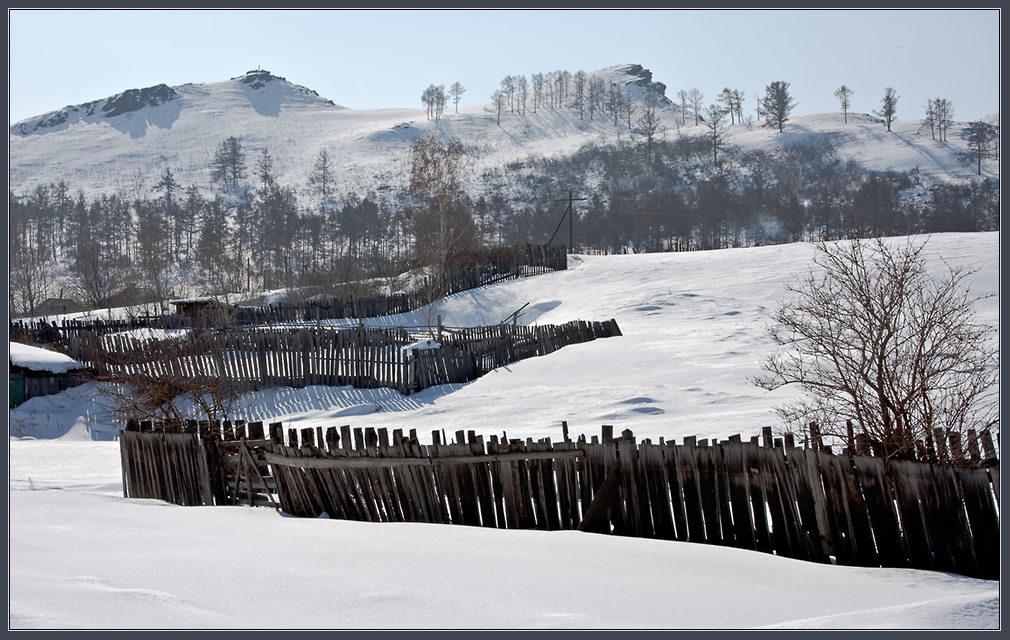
x=260, y=78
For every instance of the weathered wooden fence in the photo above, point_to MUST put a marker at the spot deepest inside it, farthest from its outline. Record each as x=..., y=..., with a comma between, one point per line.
x=196, y=463
x=761, y=495
x=361, y=357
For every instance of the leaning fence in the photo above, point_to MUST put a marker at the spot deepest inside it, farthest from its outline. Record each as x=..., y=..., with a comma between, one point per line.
x=362, y=357
x=795, y=502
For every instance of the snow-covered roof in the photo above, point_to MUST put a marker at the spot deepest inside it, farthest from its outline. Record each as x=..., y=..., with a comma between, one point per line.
x=194, y=300
x=423, y=345
x=36, y=359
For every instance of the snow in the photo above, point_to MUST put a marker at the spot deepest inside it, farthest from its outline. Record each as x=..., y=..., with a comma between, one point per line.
x=84, y=412
x=81, y=556
x=422, y=345
x=370, y=148
x=37, y=359
x=868, y=142
x=694, y=329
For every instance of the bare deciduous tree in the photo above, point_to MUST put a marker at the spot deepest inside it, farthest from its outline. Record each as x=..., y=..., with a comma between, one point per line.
x=873, y=338
x=444, y=228
x=695, y=98
x=715, y=122
x=682, y=96
x=944, y=109
x=149, y=390
x=499, y=99
x=650, y=128
x=579, y=101
x=844, y=95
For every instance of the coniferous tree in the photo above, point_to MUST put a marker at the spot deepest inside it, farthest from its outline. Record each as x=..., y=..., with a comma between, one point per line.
x=888, y=107
x=456, y=90
x=228, y=167
x=777, y=105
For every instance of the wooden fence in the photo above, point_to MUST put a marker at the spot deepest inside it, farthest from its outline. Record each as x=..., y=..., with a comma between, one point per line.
x=196, y=463
x=794, y=502
x=361, y=357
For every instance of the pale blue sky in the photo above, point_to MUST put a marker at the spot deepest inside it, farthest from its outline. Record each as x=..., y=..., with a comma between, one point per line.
x=373, y=59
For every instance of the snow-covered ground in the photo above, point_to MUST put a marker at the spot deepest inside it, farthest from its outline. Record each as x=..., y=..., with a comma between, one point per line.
x=370, y=148
x=694, y=329
x=81, y=556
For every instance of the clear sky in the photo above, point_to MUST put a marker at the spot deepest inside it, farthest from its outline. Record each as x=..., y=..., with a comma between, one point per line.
x=374, y=59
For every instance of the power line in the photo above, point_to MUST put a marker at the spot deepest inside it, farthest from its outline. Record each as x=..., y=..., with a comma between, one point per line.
x=569, y=211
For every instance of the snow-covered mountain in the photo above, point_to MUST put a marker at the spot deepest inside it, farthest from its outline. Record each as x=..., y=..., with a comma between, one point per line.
x=123, y=142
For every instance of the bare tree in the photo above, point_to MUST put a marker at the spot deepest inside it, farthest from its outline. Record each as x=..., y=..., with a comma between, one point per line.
x=888, y=107
x=983, y=142
x=508, y=89
x=146, y=386
x=444, y=227
x=695, y=99
x=456, y=91
x=728, y=104
x=441, y=99
x=522, y=90
x=500, y=100
x=777, y=105
x=650, y=128
x=580, y=79
x=615, y=100
x=30, y=268
x=597, y=89
x=538, y=90
x=738, y=97
x=715, y=122
x=682, y=96
x=944, y=116
x=629, y=105
x=872, y=337
x=844, y=95
x=930, y=119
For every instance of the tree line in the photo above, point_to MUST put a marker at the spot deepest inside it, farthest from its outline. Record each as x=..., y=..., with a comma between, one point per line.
x=656, y=194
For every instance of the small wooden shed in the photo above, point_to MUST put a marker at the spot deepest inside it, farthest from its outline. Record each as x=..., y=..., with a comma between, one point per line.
x=203, y=312
x=40, y=372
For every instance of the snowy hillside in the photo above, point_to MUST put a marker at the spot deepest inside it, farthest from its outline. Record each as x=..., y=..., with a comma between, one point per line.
x=125, y=141
x=694, y=329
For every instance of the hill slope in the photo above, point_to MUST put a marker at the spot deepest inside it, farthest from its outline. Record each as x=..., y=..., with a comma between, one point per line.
x=125, y=141
x=695, y=329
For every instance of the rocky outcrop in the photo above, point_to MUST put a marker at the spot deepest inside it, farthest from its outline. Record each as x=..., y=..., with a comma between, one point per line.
x=642, y=77
x=260, y=78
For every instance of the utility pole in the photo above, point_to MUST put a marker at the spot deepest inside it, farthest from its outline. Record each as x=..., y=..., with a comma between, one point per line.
x=570, y=212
